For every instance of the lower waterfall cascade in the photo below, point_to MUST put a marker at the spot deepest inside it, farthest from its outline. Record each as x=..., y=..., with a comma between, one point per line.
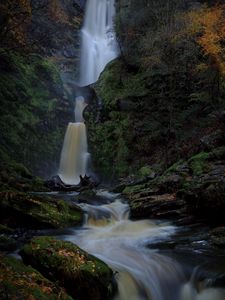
x=74, y=156
x=141, y=273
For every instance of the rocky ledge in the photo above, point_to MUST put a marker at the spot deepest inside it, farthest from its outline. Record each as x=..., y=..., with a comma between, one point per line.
x=82, y=275
x=33, y=211
x=189, y=191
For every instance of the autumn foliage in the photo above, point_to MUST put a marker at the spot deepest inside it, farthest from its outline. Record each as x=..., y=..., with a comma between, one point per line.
x=56, y=12
x=208, y=27
x=15, y=16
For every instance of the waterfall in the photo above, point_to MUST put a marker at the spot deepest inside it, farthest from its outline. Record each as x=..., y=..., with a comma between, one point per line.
x=142, y=273
x=98, y=40
x=74, y=155
x=98, y=48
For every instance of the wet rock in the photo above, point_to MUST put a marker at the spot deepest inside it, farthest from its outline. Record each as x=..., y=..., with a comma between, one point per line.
x=212, y=140
x=171, y=183
x=7, y=243
x=20, y=282
x=83, y=275
x=36, y=212
x=217, y=236
x=164, y=206
x=206, y=200
x=18, y=177
x=56, y=184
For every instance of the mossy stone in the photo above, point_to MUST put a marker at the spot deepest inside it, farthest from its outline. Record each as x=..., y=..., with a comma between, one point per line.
x=18, y=281
x=84, y=276
x=35, y=211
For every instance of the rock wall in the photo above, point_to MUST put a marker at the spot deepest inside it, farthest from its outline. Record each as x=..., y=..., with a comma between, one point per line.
x=37, y=86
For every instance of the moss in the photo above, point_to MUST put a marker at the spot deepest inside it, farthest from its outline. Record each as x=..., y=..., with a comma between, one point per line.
x=217, y=153
x=20, y=282
x=145, y=171
x=135, y=188
x=31, y=95
x=72, y=266
x=15, y=176
x=33, y=211
x=198, y=163
x=173, y=168
x=22, y=170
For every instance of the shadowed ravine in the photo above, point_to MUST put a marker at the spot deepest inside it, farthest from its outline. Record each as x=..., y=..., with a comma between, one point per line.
x=141, y=273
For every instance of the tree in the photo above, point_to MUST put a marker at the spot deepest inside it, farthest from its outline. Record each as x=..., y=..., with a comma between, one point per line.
x=207, y=26
x=15, y=16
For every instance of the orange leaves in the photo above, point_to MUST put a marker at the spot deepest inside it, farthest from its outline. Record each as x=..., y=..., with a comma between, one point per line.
x=57, y=13
x=17, y=15
x=66, y=253
x=208, y=25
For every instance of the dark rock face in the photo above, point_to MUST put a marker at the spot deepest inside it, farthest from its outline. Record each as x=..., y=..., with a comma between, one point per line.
x=83, y=275
x=189, y=191
x=37, y=86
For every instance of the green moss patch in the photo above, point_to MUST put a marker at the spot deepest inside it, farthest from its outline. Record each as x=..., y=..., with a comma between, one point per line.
x=32, y=211
x=20, y=282
x=15, y=176
x=83, y=275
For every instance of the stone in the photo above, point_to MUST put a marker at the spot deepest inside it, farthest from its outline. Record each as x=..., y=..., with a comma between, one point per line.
x=37, y=211
x=18, y=281
x=83, y=276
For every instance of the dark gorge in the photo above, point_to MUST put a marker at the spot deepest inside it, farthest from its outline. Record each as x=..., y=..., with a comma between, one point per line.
x=112, y=150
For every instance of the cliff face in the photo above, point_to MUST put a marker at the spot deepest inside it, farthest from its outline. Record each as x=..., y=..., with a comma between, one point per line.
x=164, y=97
x=36, y=82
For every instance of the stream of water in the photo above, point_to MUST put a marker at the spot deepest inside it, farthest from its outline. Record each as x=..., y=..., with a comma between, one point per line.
x=98, y=40
x=142, y=273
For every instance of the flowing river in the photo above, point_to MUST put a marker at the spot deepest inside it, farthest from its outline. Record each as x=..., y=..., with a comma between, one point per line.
x=141, y=273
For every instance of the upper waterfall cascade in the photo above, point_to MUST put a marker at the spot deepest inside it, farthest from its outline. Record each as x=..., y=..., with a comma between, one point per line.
x=98, y=40
x=98, y=47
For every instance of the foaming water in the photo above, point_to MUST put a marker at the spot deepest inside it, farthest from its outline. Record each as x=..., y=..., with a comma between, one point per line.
x=141, y=273
x=188, y=292
x=98, y=41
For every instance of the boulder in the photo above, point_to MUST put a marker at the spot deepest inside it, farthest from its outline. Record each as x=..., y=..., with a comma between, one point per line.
x=7, y=243
x=20, y=282
x=84, y=276
x=37, y=211
x=56, y=184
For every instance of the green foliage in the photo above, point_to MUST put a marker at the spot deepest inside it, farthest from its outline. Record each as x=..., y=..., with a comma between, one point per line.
x=161, y=86
x=199, y=162
x=145, y=171
x=30, y=92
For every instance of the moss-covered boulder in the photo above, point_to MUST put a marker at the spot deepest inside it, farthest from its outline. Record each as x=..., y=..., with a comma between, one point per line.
x=15, y=176
x=18, y=281
x=83, y=275
x=37, y=211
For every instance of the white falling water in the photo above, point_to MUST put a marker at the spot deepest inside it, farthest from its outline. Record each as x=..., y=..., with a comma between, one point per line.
x=98, y=40
x=98, y=48
x=141, y=273
x=74, y=155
